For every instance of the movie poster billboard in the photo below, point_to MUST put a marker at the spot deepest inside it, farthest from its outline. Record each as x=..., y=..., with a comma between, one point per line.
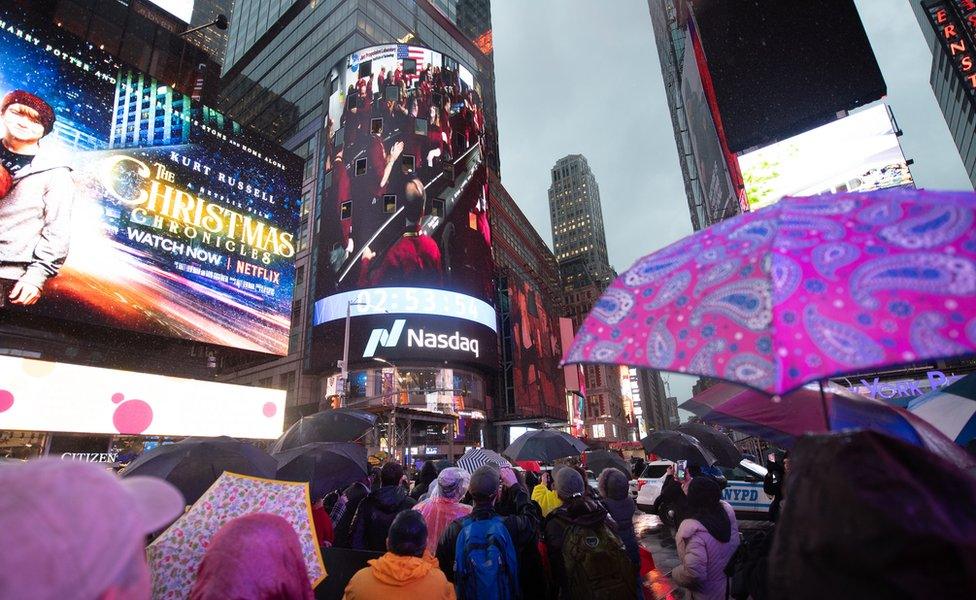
x=126, y=204
x=405, y=244
x=858, y=153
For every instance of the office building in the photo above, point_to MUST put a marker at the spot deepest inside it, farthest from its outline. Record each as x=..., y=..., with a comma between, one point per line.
x=285, y=72
x=531, y=388
x=950, y=33
x=140, y=34
x=580, y=246
x=212, y=39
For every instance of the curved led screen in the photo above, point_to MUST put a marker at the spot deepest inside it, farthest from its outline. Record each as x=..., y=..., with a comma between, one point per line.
x=404, y=201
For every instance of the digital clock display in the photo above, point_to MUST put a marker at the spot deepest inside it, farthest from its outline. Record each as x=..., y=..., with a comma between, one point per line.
x=404, y=301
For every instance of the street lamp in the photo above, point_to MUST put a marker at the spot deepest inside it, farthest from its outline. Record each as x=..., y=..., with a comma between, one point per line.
x=344, y=365
x=220, y=23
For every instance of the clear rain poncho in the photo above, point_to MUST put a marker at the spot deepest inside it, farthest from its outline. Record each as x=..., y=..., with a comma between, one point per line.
x=443, y=505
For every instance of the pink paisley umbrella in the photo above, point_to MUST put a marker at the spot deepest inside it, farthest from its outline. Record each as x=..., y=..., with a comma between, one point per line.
x=804, y=290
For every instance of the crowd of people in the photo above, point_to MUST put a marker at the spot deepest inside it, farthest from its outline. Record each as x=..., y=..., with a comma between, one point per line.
x=503, y=533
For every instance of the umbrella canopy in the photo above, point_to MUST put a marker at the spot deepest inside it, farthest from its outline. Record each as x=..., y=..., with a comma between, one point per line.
x=194, y=464
x=338, y=425
x=598, y=460
x=476, y=458
x=544, y=445
x=952, y=409
x=175, y=556
x=324, y=466
x=782, y=420
x=674, y=445
x=804, y=290
x=530, y=466
x=716, y=442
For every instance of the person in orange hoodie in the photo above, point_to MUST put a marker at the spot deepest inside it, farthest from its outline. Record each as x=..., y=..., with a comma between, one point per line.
x=404, y=571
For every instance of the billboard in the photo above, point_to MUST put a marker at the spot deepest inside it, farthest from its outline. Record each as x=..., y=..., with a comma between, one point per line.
x=780, y=68
x=126, y=204
x=719, y=195
x=181, y=9
x=37, y=395
x=404, y=202
x=858, y=153
x=538, y=385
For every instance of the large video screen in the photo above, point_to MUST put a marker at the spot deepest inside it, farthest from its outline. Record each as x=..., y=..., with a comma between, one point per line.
x=779, y=68
x=125, y=204
x=538, y=383
x=404, y=195
x=858, y=153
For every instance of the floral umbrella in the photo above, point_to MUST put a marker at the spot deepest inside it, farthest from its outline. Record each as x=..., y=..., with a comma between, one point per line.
x=804, y=290
x=175, y=556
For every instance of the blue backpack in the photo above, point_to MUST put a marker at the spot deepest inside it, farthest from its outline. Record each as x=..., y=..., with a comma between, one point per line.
x=485, y=564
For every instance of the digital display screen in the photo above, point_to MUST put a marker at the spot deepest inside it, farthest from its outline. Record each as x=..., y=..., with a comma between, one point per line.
x=406, y=206
x=181, y=9
x=60, y=397
x=538, y=382
x=133, y=207
x=404, y=301
x=858, y=153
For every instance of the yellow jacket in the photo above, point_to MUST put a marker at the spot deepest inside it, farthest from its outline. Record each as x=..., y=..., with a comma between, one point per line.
x=547, y=499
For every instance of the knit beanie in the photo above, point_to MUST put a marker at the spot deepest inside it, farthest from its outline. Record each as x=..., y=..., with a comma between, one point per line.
x=569, y=483
x=45, y=113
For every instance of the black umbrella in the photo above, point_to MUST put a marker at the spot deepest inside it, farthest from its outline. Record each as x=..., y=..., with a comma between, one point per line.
x=598, y=460
x=339, y=425
x=716, y=442
x=545, y=445
x=192, y=465
x=326, y=466
x=674, y=445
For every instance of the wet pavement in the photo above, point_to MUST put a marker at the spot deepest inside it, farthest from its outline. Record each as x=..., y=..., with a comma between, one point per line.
x=657, y=539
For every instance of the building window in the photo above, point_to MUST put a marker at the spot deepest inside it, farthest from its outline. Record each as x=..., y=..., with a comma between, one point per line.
x=286, y=381
x=265, y=382
x=300, y=275
x=296, y=312
x=599, y=431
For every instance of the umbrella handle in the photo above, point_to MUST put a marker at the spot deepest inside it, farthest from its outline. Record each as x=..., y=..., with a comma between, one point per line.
x=826, y=407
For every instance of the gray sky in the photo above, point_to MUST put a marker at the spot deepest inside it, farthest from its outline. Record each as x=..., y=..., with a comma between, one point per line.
x=578, y=76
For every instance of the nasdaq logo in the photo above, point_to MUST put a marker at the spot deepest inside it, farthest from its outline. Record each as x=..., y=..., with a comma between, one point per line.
x=387, y=339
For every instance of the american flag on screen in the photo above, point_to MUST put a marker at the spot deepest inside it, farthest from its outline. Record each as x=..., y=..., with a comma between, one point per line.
x=415, y=53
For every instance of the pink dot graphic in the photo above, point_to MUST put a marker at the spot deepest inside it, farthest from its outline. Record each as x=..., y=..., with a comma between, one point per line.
x=7, y=400
x=270, y=409
x=132, y=417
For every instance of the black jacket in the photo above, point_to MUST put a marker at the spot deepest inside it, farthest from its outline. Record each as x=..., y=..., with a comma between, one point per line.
x=523, y=527
x=372, y=522
x=354, y=494
x=581, y=511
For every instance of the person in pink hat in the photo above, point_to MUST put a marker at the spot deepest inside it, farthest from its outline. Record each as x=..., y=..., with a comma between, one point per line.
x=91, y=548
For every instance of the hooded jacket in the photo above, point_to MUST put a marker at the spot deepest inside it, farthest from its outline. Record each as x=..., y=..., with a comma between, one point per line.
x=393, y=576
x=621, y=507
x=36, y=220
x=581, y=511
x=703, y=558
x=375, y=515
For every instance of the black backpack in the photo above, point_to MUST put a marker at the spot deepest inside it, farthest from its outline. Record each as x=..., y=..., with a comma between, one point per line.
x=743, y=563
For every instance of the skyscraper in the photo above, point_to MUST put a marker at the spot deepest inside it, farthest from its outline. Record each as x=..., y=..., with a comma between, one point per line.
x=578, y=237
x=212, y=39
x=580, y=246
x=949, y=29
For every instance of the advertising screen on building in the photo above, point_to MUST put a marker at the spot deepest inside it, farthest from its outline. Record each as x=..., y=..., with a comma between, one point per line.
x=537, y=385
x=779, y=68
x=37, y=395
x=182, y=9
x=858, y=153
x=126, y=204
x=405, y=227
